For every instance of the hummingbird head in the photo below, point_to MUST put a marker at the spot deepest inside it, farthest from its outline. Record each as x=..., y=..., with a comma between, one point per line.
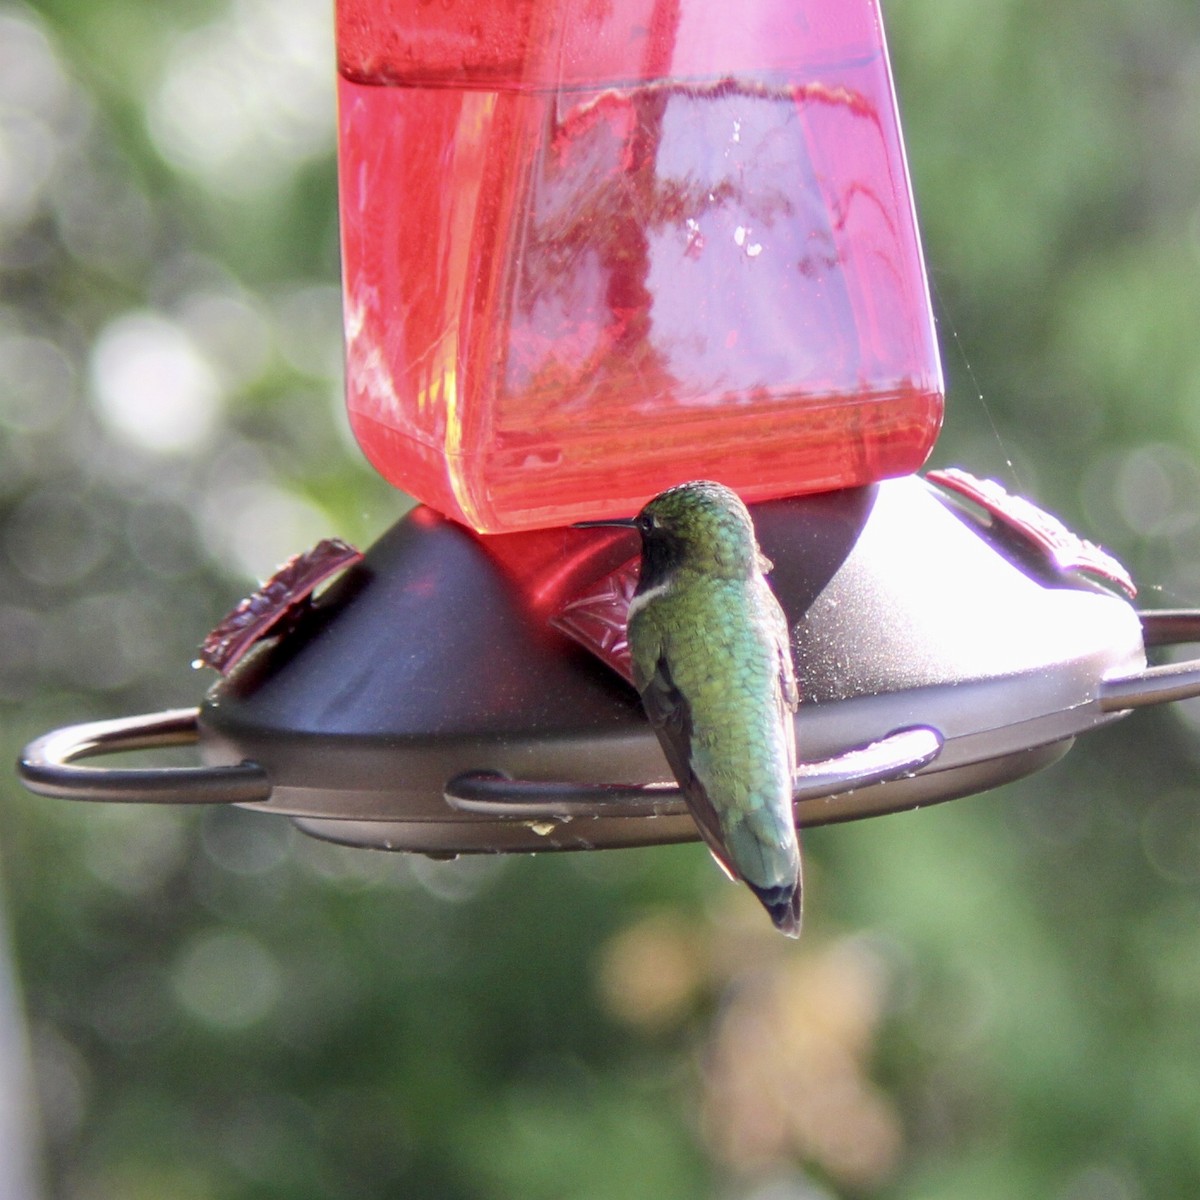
x=700, y=526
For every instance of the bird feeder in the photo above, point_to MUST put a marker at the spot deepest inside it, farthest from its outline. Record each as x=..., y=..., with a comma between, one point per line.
x=591, y=251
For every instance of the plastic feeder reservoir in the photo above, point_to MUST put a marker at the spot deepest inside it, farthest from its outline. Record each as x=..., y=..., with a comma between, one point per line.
x=592, y=250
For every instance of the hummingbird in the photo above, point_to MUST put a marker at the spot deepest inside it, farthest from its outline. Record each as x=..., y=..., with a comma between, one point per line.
x=711, y=657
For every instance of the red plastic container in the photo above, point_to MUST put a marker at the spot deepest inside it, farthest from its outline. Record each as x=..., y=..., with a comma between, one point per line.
x=593, y=248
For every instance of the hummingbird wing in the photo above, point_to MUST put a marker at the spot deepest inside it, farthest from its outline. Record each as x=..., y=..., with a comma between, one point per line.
x=670, y=717
x=789, y=690
x=787, y=916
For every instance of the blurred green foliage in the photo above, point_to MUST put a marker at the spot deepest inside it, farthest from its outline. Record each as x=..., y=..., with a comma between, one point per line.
x=999, y=998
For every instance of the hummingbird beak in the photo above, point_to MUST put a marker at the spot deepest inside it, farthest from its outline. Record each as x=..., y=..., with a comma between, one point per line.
x=614, y=523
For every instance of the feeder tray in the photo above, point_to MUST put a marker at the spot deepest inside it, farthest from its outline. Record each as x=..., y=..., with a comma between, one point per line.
x=423, y=703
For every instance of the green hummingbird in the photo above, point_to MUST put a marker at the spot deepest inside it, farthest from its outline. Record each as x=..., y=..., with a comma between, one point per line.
x=712, y=660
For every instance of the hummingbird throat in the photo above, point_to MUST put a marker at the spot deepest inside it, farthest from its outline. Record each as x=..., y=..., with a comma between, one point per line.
x=642, y=598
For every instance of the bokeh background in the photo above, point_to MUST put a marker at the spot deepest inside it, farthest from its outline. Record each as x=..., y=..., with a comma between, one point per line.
x=996, y=998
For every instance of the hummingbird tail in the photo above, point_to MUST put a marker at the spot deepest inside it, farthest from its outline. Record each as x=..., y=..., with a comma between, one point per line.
x=783, y=903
